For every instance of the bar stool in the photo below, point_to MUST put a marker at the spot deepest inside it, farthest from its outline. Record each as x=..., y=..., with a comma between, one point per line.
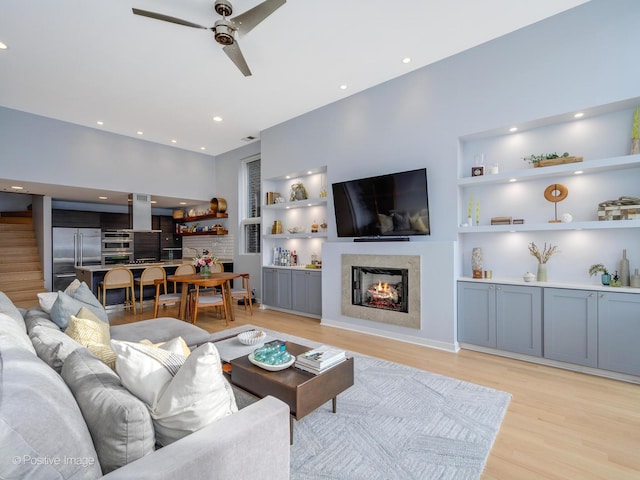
x=118, y=277
x=148, y=277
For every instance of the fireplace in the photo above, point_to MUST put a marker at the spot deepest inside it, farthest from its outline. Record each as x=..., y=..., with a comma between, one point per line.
x=382, y=288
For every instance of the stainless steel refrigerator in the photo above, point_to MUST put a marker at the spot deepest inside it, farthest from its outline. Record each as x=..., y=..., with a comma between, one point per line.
x=73, y=247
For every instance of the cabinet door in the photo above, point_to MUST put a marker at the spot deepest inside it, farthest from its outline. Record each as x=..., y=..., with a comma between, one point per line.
x=477, y=314
x=571, y=326
x=269, y=286
x=619, y=332
x=519, y=319
x=283, y=288
x=314, y=292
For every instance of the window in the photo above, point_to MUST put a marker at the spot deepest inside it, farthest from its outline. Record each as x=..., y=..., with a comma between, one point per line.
x=251, y=221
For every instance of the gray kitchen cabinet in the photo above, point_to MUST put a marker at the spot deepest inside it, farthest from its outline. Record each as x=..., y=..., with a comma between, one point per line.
x=619, y=332
x=506, y=317
x=571, y=326
x=276, y=287
x=306, y=291
x=477, y=314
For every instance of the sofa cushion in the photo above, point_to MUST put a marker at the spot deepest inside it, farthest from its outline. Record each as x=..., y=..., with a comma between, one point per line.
x=65, y=306
x=84, y=294
x=46, y=300
x=183, y=395
x=42, y=432
x=160, y=330
x=120, y=424
x=14, y=334
x=35, y=317
x=7, y=307
x=52, y=346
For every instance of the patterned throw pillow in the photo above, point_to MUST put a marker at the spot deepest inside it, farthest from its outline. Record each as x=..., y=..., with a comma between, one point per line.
x=91, y=332
x=183, y=394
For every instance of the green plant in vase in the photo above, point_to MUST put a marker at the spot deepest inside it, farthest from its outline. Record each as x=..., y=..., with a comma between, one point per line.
x=605, y=278
x=635, y=134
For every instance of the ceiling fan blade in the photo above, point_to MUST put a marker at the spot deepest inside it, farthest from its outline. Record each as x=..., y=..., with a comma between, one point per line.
x=166, y=18
x=234, y=53
x=246, y=21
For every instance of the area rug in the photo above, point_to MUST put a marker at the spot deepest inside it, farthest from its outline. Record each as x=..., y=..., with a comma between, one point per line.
x=398, y=422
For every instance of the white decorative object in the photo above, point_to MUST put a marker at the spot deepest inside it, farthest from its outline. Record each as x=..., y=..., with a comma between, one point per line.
x=272, y=368
x=529, y=277
x=252, y=337
x=476, y=262
x=566, y=218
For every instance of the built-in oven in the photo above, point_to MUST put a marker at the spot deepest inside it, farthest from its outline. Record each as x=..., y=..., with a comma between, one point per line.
x=117, y=247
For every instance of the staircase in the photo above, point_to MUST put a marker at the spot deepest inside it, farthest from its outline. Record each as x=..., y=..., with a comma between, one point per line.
x=21, y=276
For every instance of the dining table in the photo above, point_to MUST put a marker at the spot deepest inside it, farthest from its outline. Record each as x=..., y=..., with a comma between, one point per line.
x=218, y=279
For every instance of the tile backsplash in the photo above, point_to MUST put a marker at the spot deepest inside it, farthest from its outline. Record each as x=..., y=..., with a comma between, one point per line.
x=219, y=245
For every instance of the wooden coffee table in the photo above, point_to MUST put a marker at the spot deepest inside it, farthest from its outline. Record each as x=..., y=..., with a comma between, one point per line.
x=302, y=391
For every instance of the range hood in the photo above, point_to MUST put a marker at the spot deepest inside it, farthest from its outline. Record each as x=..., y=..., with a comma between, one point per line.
x=140, y=213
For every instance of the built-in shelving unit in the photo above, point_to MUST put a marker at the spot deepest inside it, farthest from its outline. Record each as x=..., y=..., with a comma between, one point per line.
x=200, y=218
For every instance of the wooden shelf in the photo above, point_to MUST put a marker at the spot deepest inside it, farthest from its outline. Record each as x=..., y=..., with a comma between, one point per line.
x=210, y=232
x=201, y=217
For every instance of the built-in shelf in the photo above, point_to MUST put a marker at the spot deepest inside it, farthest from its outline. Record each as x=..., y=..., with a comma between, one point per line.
x=297, y=235
x=209, y=216
x=538, y=227
x=209, y=232
x=591, y=166
x=310, y=202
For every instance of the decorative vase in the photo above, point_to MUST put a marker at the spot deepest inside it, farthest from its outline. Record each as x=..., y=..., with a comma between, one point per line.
x=476, y=262
x=205, y=271
x=635, y=146
x=542, y=272
x=624, y=269
x=635, y=279
x=605, y=278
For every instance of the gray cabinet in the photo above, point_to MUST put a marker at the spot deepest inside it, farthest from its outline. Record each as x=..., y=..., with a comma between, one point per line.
x=306, y=287
x=619, y=332
x=276, y=287
x=507, y=317
x=571, y=326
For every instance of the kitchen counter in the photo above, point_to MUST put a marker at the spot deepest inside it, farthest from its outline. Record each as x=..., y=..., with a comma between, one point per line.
x=134, y=266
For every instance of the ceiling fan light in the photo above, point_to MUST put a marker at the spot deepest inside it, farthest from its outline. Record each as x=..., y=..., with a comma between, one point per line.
x=223, y=7
x=223, y=32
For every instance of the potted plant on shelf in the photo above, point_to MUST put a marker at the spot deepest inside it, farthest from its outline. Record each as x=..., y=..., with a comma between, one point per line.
x=605, y=278
x=542, y=257
x=549, y=159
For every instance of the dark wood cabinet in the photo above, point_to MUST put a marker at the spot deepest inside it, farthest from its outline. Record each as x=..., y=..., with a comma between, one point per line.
x=75, y=218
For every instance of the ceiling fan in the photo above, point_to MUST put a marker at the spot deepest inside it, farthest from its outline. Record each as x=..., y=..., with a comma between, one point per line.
x=224, y=29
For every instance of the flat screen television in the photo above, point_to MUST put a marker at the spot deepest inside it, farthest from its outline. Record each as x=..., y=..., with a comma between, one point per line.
x=393, y=205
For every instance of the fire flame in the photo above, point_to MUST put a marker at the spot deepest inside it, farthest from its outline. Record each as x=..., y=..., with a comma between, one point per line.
x=382, y=287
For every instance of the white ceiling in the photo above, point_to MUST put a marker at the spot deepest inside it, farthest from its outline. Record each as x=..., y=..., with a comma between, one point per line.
x=82, y=61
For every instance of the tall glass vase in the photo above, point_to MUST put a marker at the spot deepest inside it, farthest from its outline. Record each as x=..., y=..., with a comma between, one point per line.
x=205, y=271
x=542, y=272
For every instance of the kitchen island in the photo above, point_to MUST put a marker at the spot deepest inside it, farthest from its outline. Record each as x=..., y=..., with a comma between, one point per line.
x=92, y=275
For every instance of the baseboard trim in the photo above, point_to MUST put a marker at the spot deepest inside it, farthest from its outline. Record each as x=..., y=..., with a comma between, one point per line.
x=554, y=363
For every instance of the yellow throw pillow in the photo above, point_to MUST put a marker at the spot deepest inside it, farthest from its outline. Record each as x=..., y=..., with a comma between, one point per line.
x=176, y=345
x=91, y=332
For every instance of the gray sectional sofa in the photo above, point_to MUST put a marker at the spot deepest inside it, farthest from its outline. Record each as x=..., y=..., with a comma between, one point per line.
x=65, y=415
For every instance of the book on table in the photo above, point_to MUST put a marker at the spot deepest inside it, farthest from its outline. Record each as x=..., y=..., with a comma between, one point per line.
x=317, y=371
x=321, y=357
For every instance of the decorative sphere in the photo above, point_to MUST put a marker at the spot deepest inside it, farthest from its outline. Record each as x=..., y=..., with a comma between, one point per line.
x=566, y=217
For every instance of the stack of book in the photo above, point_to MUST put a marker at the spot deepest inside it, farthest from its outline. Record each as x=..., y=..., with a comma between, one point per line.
x=320, y=359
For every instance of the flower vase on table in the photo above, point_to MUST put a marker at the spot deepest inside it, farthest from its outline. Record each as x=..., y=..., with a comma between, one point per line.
x=205, y=271
x=204, y=262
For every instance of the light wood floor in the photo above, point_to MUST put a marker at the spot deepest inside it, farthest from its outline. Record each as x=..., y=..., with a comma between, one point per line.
x=559, y=425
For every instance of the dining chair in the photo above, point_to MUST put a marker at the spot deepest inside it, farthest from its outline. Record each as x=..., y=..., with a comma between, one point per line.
x=148, y=277
x=118, y=277
x=244, y=293
x=184, y=269
x=198, y=301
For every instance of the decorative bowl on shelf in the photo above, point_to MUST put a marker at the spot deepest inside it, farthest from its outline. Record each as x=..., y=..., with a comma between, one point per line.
x=269, y=367
x=529, y=277
x=295, y=230
x=252, y=337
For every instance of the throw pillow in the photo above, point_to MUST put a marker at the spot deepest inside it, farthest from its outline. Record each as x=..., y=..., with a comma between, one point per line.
x=46, y=300
x=401, y=221
x=52, y=346
x=386, y=223
x=91, y=332
x=418, y=223
x=120, y=424
x=73, y=286
x=65, y=306
x=183, y=394
x=84, y=294
x=177, y=345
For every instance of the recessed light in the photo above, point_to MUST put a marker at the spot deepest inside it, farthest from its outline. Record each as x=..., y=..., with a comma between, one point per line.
x=100, y=122
x=174, y=141
x=406, y=60
x=183, y=203
x=17, y=187
x=309, y=172
x=343, y=87
x=578, y=115
x=140, y=132
x=288, y=177
x=578, y=172
x=153, y=201
x=513, y=129
x=217, y=119
x=513, y=180
x=3, y=46
x=202, y=148
x=102, y=198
